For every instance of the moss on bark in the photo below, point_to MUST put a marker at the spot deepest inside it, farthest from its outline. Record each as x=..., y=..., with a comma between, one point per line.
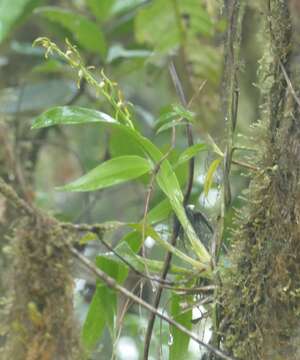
x=41, y=313
x=261, y=293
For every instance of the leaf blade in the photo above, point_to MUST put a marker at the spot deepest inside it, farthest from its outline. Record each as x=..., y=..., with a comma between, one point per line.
x=109, y=173
x=179, y=348
x=190, y=152
x=209, y=175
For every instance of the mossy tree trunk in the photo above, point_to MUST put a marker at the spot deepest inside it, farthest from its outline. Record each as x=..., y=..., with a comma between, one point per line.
x=36, y=312
x=261, y=294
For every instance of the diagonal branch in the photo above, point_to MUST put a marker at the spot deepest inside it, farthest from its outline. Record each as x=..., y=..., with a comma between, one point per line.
x=9, y=193
x=112, y=283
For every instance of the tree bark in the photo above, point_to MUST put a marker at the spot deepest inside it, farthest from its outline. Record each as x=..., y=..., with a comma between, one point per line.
x=261, y=293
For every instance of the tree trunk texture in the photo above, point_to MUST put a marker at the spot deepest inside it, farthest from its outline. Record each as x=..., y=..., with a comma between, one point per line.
x=36, y=309
x=260, y=300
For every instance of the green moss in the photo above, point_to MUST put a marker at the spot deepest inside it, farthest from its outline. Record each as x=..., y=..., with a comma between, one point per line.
x=41, y=314
x=260, y=300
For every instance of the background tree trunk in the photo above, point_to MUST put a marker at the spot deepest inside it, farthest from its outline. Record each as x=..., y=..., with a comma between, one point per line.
x=261, y=294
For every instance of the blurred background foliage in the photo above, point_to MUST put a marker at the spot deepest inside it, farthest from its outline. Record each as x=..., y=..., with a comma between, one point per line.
x=133, y=41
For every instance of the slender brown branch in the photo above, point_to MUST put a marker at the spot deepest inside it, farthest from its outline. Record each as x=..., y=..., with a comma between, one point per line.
x=176, y=227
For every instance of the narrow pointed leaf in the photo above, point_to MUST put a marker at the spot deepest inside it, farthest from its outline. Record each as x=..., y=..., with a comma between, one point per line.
x=109, y=173
x=210, y=175
x=190, y=153
x=140, y=263
x=160, y=212
x=94, y=323
x=70, y=115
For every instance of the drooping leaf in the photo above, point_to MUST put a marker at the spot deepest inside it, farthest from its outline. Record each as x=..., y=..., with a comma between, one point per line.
x=12, y=12
x=109, y=173
x=180, y=342
x=94, y=323
x=210, y=175
x=103, y=307
x=86, y=33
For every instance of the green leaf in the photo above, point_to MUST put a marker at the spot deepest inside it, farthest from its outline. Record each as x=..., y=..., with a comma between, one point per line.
x=103, y=307
x=179, y=348
x=160, y=212
x=116, y=271
x=134, y=241
x=171, y=124
x=178, y=115
x=140, y=263
x=94, y=323
x=12, y=12
x=190, y=153
x=196, y=265
x=68, y=115
x=210, y=174
x=85, y=32
x=109, y=173
x=165, y=178
x=184, y=113
x=101, y=313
